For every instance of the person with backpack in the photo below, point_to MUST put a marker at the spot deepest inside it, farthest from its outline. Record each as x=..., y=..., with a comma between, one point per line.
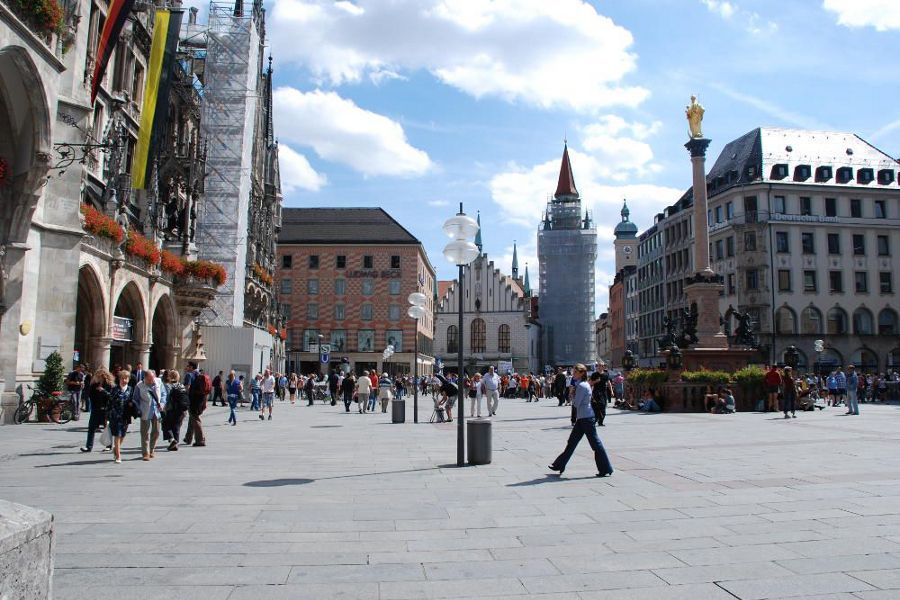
x=233, y=388
x=177, y=404
x=201, y=386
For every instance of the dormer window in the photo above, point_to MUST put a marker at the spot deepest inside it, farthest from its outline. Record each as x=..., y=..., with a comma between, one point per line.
x=823, y=173
x=844, y=175
x=779, y=171
x=802, y=172
x=886, y=176
x=865, y=176
x=719, y=181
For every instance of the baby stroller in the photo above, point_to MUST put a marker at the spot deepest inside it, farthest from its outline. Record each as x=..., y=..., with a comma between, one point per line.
x=439, y=415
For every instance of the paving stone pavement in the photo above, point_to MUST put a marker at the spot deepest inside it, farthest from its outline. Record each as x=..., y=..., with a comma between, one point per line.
x=320, y=504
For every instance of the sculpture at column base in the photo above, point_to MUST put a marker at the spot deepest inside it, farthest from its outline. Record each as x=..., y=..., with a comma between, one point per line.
x=705, y=293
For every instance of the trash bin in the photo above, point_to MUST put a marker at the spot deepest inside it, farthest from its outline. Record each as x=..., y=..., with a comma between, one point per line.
x=398, y=411
x=479, y=433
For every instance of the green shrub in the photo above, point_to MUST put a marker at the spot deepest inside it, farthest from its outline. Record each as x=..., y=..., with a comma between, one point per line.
x=54, y=377
x=646, y=377
x=706, y=376
x=749, y=376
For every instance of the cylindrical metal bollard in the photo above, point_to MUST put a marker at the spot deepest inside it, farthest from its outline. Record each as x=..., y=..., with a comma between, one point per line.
x=479, y=433
x=398, y=411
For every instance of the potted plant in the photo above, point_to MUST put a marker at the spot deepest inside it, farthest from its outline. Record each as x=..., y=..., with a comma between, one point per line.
x=50, y=385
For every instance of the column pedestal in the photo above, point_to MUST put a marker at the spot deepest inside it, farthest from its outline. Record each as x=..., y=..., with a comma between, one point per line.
x=704, y=291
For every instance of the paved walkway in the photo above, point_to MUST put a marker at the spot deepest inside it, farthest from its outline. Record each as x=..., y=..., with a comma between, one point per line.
x=322, y=504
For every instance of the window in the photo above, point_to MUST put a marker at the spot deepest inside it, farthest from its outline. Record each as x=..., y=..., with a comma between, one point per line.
x=752, y=279
x=805, y=205
x=395, y=261
x=780, y=205
x=785, y=321
x=338, y=340
x=887, y=322
x=286, y=310
x=863, y=322
x=718, y=214
x=834, y=243
x=836, y=282
x=855, y=208
x=394, y=287
x=340, y=287
x=809, y=281
x=750, y=241
x=478, y=335
x=394, y=312
x=830, y=207
x=880, y=210
x=287, y=286
x=731, y=286
x=837, y=321
x=287, y=261
x=720, y=250
x=312, y=311
x=884, y=248
x=367, y=287
x=811, y=321
x=781, y=242
x=808, y=243
x=503, y=339
x=859, y=244
x=729, y=246
x=368, y=262
x=310, y=340
x=884, y=281
x=750, y=208
x=314, y=261
x=394, y=337
x=784, y=280
x=452, y=339
x=729, y=210
x=340, y=312
x=312, y=287
x=861, y=282
x=365, y=340
x=340, y=261
x=365, y=312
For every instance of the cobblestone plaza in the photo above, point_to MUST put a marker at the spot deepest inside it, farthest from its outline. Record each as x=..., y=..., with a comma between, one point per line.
x=319, y=503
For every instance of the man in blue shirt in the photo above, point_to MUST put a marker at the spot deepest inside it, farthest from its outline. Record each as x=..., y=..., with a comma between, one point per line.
x=583, y=421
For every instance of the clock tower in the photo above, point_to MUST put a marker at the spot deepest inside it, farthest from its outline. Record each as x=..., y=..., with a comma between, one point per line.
x=626, y=241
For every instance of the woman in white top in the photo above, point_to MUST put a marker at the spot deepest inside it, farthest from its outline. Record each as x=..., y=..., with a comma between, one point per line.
x=475, y=395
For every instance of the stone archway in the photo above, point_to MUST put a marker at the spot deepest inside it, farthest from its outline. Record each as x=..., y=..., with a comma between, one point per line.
x=163, y=335
x=129, y=347
x=90, y=318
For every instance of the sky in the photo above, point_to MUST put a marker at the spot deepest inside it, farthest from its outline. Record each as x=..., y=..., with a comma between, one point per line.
x=418, y=105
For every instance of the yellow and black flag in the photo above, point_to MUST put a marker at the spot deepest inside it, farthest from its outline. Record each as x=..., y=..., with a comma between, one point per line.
x=155, y=112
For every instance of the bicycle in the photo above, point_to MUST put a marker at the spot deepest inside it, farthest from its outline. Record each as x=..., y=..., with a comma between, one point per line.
x=27, y=407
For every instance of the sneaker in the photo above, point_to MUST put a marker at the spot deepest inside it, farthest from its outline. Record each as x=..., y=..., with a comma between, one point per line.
x=198, y=444
x=107, y=449
x=118, y=461
x=262, y=418
x=793, y=416
x=786, y=416
x=85, y=449
x=270, y=417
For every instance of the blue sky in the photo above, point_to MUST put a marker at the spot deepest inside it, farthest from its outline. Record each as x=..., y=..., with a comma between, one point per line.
x=416, y=105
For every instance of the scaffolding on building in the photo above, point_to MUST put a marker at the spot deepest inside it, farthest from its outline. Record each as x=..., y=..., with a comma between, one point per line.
x=567, y=249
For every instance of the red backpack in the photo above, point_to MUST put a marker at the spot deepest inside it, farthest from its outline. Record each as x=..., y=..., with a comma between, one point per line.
x=207, y=385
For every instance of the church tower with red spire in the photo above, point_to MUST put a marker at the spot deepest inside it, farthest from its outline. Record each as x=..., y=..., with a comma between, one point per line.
x=567, y=250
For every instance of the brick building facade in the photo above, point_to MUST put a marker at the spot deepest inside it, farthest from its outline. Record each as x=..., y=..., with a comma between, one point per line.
x=345, y=274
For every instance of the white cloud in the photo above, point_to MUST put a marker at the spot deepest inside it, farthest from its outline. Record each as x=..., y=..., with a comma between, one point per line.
x=340, y=131
x=724, y=9
x=619, y=147
x=749, y=20
x=438, y=203
x=296, y=172
x=549, y=54
x=883, y=15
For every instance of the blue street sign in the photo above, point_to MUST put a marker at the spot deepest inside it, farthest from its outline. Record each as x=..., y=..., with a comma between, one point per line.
x=324, y=357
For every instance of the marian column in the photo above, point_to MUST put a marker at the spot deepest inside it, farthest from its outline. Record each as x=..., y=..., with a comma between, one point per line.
x=704, y=287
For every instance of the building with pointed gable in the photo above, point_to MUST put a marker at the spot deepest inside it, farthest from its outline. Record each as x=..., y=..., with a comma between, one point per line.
x=567, y=250
x=499, y=326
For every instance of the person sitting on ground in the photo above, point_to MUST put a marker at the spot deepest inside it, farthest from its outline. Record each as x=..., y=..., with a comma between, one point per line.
x=710, y=399
x=725, y=403
x=648, y=402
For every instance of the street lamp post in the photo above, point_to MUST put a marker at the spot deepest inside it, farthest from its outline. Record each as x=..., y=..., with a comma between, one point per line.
x=461, y=251
x=416, y=310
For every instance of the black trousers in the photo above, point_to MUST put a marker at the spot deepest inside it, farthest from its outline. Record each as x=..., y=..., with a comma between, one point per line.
x=348, y=399
x=599, y=410
x=172, y=424
x=561, y=396
x=585, y=427
x=97, y=418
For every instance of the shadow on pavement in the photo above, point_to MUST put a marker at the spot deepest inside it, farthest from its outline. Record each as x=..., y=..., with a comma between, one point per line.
x=547, y=479
x=278, y=482
x=304, y=481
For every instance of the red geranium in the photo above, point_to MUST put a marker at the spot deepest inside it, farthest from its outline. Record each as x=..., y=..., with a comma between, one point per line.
x=100, y=224
x=138, y=245
x=171, y=263
x=205, y=269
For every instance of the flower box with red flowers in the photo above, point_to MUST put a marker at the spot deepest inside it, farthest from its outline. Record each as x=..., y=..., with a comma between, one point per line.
x=205, y=269
x=101, y=225
x=141, y=247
